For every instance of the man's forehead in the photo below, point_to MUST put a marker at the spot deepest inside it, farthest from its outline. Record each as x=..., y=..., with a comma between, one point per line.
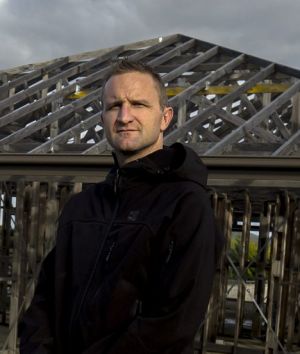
x=131, y=78
x=131, y=83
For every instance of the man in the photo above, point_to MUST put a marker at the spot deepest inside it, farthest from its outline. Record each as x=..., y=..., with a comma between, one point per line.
x=134, y=260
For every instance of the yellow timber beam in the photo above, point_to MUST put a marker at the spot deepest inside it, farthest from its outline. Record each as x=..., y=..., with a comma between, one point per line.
x=210, y=90
x=224, y=90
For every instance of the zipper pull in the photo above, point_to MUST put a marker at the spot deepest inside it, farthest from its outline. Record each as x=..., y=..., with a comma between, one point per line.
x=170, y=251
x=116, y=182
x=110, y=251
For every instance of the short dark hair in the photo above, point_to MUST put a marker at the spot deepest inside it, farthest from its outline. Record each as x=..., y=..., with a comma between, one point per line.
x=124, y=66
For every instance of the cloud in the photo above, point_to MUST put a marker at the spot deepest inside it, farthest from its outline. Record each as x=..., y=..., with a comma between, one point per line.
x=36, y=30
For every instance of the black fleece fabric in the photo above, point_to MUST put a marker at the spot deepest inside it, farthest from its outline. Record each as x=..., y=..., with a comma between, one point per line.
x=133, y=264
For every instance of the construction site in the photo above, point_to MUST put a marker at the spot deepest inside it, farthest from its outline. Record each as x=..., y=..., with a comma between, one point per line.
x=240, y=113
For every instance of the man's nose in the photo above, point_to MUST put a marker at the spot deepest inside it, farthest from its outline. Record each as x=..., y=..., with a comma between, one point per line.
x=124, y=115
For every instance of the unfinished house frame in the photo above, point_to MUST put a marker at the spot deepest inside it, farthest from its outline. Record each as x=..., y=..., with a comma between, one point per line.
x=239, y=112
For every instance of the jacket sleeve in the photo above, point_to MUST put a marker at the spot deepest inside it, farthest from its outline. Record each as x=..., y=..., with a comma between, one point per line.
x=35, y=331
x=179, y=286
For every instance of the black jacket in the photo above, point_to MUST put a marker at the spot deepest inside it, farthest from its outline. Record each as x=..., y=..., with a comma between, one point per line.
x=133, y=264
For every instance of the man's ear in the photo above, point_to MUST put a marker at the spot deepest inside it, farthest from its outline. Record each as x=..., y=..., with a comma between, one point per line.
x=166, y=118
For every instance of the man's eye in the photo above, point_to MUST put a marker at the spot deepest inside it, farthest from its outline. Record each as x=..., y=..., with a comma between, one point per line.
x=138, y=104
x=113, y=107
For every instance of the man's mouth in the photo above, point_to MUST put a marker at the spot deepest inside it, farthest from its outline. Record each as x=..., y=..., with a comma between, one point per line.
x=126, y=130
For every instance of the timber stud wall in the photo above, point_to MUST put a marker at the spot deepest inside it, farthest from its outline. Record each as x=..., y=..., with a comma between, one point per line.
x=30, y=207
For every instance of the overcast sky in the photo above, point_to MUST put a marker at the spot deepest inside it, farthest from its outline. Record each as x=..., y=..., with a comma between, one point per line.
x=38, y=30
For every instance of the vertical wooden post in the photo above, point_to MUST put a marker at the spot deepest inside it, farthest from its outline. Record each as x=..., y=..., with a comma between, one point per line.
x=294, y=281
x=271, y=282
x=8, y=214
x=181, y=115
x=296, y=113
x=224, y=269
x=3, y=268
x=283, y=229
x=243, y=257
x=40, y=248
x=51, y=216
x=54, y=127
x=276, y=310
x=11, y=93
x=16, y=269
x=216, y=310
x=33, y=238
x=262, y=249
x=4, y=79
x=266, y=100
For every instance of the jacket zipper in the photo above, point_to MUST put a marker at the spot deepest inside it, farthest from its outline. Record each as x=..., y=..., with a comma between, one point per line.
x=77, y=309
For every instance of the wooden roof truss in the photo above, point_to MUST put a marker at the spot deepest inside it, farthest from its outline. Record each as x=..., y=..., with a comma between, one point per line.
x=225, y=102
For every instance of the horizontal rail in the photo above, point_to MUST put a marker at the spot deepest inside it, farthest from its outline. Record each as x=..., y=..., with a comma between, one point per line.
x=228, y=171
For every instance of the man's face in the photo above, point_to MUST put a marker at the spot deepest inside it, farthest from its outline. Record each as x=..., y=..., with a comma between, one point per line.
x=132, y=116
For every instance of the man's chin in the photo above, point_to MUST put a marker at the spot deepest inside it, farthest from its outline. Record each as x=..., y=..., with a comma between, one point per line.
x=128, y=151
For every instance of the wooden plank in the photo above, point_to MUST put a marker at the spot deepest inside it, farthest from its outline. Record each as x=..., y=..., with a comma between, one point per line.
x=255, y=120
x=295, y=120
x=150, y=42
x=67, y=134
x=75, y=70
x=237, y=121
x=54, y=129
x=273, y=288
x=224, y=90
x=178, y=50
x=195, y=76
x=51, y=217
x=228, y=67
x=129, y=46
x=250, y=106
x=224, y=101
x=47, y=120
x=242, y=261
x=25, y=78
x=24, y=259
x=190, y=64
x=35, y=74
x=216, y=312
x=280, y=125
x=154, y=48
x=43, y=199
x=16, y=270
x=210, y=90
x=216, y=348
x=11, y=94
x=283, y=262
x=181, y=113
x=227, y=221
x=9, y=118
x=288, y=145
x=294, y=281
x=34, y=226
x=206, y=133
x=97, y=148
x=260, y=281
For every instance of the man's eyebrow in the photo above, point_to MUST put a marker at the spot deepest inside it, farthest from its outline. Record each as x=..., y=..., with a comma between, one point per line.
x=140, y=101
x=113, y=102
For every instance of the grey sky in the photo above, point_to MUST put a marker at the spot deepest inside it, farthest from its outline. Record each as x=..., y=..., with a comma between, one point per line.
x=37, y=30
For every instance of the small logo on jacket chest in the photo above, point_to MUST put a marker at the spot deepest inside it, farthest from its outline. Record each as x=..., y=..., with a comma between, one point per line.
x=133, y=215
